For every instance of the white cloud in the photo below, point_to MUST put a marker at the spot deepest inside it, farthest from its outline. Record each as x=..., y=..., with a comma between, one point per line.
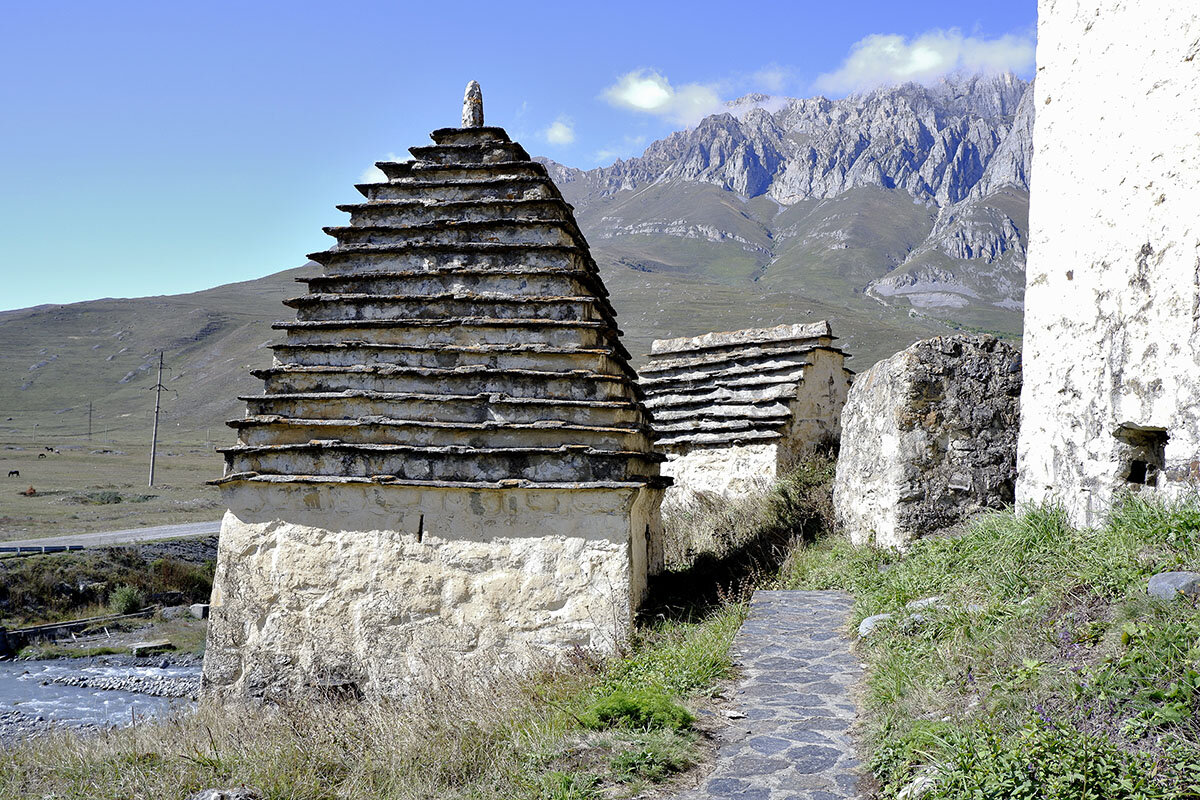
x=648, y=91
x=629, y=146
x=773, y=79
x=886, y=59
x=561, y=131
x=374, y=174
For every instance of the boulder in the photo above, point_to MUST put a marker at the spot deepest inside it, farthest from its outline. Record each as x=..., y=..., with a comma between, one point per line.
x=929, y=437
x=1169, y=585
x=872, y=624
x=199, y=610
x=226, y=794
x=174, y=612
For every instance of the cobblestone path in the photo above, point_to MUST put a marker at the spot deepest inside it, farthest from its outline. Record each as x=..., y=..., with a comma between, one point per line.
x=798, y=672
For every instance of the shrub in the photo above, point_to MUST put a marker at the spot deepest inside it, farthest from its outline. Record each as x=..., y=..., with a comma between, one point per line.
x=126, y=599
x=644, y=709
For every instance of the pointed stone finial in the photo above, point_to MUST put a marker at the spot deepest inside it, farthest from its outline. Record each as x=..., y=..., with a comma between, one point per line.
x=473, y=106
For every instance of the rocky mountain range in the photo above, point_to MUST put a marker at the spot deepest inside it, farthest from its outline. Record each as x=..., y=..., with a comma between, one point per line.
x=912, y=195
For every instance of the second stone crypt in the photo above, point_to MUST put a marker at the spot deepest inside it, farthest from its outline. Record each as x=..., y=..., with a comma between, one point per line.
x=450, y=467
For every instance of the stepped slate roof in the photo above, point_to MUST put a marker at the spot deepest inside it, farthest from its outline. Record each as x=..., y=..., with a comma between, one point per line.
x=459, y=336
x=730, y=388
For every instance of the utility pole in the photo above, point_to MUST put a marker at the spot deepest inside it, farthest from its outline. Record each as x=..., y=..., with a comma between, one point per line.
x=158, y=389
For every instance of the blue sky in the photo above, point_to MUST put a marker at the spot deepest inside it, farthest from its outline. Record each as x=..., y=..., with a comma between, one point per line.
x=162, y=147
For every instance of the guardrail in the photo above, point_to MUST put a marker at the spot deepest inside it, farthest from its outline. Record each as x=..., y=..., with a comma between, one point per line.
x=13, y=640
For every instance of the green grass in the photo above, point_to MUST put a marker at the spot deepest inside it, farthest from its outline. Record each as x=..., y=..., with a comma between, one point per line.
x=1046, y=670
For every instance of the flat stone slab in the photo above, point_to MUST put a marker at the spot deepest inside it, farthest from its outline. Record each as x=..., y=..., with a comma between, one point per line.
x=798, y=675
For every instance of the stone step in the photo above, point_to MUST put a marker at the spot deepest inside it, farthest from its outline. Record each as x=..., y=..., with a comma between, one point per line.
x=455, y=463
x=450, y=257
x=399, y=213
x=470, y=153
x=476, y=189
x=267, y=430
x=657, y=481
x=513, y=283
x=461, y=136
x=393, y=380
x=719, y=394
x=731, y=359
x=738, y=340
x=404, y=171
x=684, y=426
x=326, y=307
x=771, y=410
x=455, y=331
x=516, y=232
x=792, y=377
x=714, y=439
x=518, y=356
x=728, y=375
x=444, y=407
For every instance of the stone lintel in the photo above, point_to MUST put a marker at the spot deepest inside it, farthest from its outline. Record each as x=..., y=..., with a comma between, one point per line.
x=750, y=336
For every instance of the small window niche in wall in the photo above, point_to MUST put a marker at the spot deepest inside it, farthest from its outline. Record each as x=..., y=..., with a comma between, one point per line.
x=1142, y=453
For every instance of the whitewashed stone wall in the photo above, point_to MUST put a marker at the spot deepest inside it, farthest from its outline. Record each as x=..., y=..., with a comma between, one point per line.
x=333, y=586
x=1112, y=323
x=929, y=437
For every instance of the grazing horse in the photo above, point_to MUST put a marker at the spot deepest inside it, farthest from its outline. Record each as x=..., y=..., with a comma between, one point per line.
x=41, y=455
x=14, y=473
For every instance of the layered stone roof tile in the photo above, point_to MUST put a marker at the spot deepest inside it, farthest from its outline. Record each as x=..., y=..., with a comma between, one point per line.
x=731, y=387
x=460, y=335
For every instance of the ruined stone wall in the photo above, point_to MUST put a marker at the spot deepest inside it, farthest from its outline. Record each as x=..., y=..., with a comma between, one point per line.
x=928, y=438
x=384, y=588
x=1112, y=324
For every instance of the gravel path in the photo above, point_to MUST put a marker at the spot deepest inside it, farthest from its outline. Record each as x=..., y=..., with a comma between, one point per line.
x=798, y=675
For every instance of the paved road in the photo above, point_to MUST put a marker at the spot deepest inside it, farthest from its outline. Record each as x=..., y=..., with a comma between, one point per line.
x=798, y=675
x=188, y=530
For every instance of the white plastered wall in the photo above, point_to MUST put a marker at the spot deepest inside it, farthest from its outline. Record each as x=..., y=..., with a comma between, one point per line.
x=1112, y=325
x=332, y=585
